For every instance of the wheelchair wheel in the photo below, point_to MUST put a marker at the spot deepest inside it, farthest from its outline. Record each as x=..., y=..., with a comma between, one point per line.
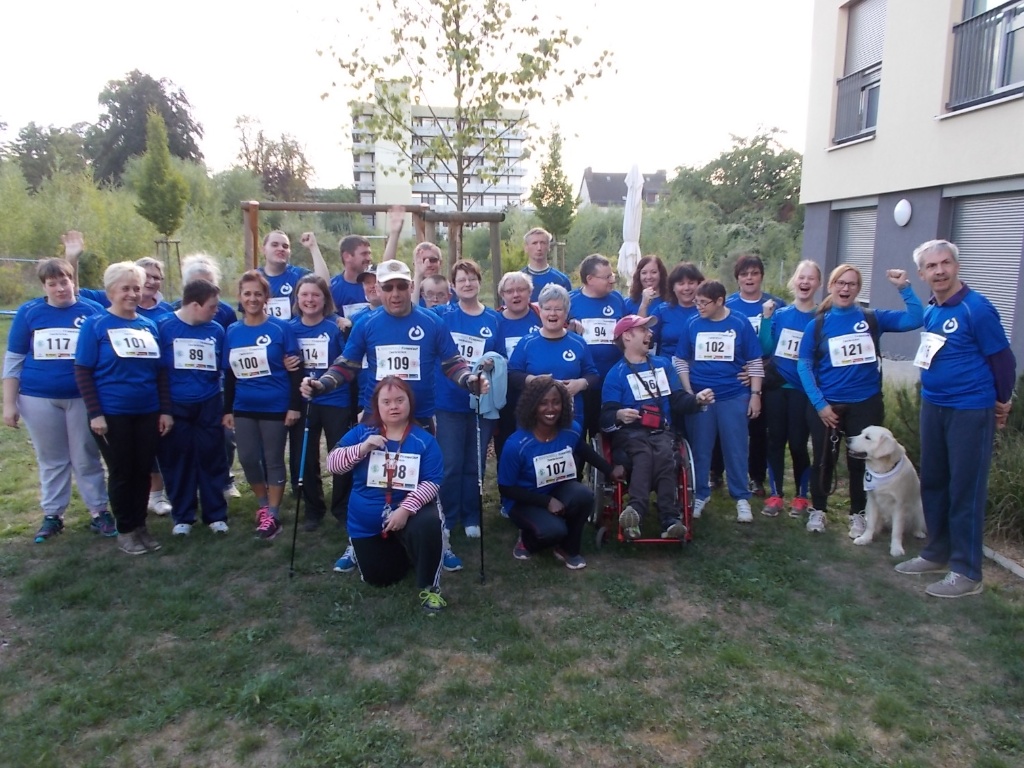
x=597, y=487
x=687, y=486
x=601, y=537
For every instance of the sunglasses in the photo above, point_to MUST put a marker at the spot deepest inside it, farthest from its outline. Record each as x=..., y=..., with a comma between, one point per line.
x=392, y=285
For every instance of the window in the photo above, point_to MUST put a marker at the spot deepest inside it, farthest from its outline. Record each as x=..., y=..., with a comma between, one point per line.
x=859, y=88
x=988, y=53
x=857, y=245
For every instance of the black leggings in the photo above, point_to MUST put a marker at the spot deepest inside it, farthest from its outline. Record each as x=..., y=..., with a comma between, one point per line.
x=853, y=418
x=541, y=528
x=417, y=547
x=786, y=412
x=129, y=449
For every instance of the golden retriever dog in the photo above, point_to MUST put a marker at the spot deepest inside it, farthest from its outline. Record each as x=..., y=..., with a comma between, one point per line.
x=894, y=492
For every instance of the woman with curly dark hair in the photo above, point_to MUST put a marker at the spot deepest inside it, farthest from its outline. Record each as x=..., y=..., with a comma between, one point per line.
x=537, y=474
x=649, y=287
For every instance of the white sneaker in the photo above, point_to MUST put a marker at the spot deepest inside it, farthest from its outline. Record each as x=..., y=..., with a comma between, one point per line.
x=473, y=531
x=181, y=529
x=159, y=503
x=698, y=507
x=815, y=520
x=743, y=514
x=858, y=525
x=232, y=492
x=219, y=527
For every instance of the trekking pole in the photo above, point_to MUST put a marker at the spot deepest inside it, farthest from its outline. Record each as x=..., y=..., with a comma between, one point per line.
x=480, y=483
x=298, y=496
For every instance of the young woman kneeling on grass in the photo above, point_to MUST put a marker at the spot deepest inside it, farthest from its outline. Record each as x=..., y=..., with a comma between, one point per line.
x=393, y=519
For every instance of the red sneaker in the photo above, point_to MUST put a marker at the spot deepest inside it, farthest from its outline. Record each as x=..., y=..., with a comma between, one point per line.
x=798, y=506
x=773, y=505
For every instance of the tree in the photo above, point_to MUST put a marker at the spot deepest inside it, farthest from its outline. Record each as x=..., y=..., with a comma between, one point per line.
x=552, y=196
x=42, y=151
x=163, y=192
x=478, y=55
x=280, y=163
x=122, y=130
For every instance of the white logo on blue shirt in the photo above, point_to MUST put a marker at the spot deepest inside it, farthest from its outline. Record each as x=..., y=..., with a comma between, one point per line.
x=861, y=326
x=608, y=311
x=286, y=289
x=263, y=341
x=568, y=355
x=79, y=320
x=416, y=333
x=485, y=332
x=950, y=326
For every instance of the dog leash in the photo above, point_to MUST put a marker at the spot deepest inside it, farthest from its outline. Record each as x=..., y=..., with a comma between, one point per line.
x=833, y=441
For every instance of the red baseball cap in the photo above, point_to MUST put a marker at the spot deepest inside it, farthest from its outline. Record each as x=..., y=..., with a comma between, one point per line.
x=633, y=321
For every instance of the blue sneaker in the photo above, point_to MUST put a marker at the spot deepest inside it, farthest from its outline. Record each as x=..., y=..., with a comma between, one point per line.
x=104, y=524
x=53, y=525
x=347, y=562
x=450, y=562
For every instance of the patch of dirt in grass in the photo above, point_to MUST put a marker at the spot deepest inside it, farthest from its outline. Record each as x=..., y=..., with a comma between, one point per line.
x=667, y=747
x=384, y=671
x=308, y=639
x=176, y=744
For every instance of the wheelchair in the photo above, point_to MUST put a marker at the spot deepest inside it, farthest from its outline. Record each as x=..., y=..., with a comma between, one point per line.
x=609, y=496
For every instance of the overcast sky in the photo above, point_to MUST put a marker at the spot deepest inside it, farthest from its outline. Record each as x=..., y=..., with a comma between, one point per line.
x=687, y=76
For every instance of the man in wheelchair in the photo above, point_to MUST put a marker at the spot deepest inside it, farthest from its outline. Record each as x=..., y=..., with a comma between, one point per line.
x=642, y=398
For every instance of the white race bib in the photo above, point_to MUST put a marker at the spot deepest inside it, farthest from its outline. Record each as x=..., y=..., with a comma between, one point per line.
x=598, y=330
x=132, y=342
x=930, y=344
x=851, y=349
x=755, y=323
x=554, y=467
x=55, y=343
x=789, y=344
x=281, y=307
x=401, y=360
x=510, y=345
x=406, y=468
x=713, y=346
x=470, y=347
x=351, y=310
x=195, y=355
x=656, y=382
x=315, y=353
x=249, y=362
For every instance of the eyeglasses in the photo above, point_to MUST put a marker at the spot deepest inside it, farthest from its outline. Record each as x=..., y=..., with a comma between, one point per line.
x=392, y=285
x=846, y=284
x=433, y=259
x=701, y=303
x=520, y=289
x=610, y=277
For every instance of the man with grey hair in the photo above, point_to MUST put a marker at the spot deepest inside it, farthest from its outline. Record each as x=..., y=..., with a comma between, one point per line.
x=967, y=378
x=537, y=243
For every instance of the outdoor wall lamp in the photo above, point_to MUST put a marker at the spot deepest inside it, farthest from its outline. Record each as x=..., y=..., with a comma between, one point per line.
x=901, y=213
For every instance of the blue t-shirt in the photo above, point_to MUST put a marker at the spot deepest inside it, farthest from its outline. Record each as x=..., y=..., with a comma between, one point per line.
x=155, y=312
x=365, y=502
x=648, y=383
x=282, y=290
x=633, y=307
x=599, y=317
x=959, y=375
x=321, y=344
x=255, y=353
x=783, y=332
x=349, y=298
x=474, y=335
x=96, y=295
x=224, y=316
x=125, y=358
x=568, y=357
x=366, y=382
x=550, y=275
x=672, y=322
x=524, y=457
x=752, y=309
x=856, y=376
x=716, y=351
x=511, y=331
x=48, y=337
x=191, y=354
x=410, y=347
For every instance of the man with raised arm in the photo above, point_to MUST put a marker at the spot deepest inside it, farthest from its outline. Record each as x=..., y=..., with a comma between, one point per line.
x=282, y=275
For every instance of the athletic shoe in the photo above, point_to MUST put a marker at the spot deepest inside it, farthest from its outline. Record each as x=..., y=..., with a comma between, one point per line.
x=676, y=530
x=857, y=525
x=268, y=528
x=798, y=507
x=261, y=513
x=757, y=489
x=311, y=525
x=450, y=562
x=52, y=526
x=159, y=504
x=698, y=507
x=629, y=522
x=219, y=526
x=232, y=492
x=918, y=565
x=572, y=562
x=954, y=585
x=743, y=514
x=519, y=551
x=143, y=536
x=772, y=506
x=347, y=562
x=130, y=545
x=431, y=601
x=104, y=525
x=815, y=520
x=473, y=531
x=181, y=529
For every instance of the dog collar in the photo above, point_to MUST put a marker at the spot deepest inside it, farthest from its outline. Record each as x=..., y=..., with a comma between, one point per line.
x=873, y=481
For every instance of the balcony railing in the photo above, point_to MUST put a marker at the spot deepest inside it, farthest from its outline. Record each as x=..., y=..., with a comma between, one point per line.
x=986, y=65
x=857, y=104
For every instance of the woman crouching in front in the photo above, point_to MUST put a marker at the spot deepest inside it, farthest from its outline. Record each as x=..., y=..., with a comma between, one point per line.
x=393, y=519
